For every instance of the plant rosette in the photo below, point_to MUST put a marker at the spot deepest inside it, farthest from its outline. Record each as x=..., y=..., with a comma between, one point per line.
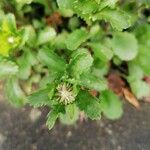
x=9, y=36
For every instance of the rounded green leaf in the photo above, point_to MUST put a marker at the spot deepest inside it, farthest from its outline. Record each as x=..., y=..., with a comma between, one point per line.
x=111, y=105
x=125, y=46
x=140, y=88
x=102, y=52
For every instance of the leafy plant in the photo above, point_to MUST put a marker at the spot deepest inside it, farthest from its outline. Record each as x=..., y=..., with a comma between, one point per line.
x=62, y=53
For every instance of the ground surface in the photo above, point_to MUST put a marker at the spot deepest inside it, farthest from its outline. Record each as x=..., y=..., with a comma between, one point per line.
x=21, y=129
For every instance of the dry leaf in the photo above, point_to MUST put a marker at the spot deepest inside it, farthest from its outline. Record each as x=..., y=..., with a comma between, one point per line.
x=147, y=79
x=93, y=92
x=115, y=83
x=131, y=98
x=54, y=19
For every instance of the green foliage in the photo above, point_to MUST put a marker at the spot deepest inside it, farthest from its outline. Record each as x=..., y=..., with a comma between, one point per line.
x=71, y=115
x=46, y=35
x=39, y=98
x=76, y=38
x=140, y=88
x=86, y=103
x=135, y=79
x=51, y=59
x=81, y=62
x=144, y=45
x=52, y=117
x=98, y=10
x=92, y=82
x=24, y=1
x=9, y=36
x=25, y=63
x=67, y=50
x=14, y=92
x=110, y=105
x=102, y=52
x=117, y=18
x=125, y=46
x=7, y=68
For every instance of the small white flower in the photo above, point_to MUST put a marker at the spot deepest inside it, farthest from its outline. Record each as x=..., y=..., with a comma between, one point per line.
x=65, y=94
x=11, y=39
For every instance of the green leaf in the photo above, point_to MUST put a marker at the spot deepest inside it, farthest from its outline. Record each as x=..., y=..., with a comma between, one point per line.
x=135, y=71
x=9, y=23
x=125, y=46
x=40, y=98
x=60, y=40
x=80, y=7
x=7, y=68
x=85, y=7
x=14, y=92
x=46, y=35
x=100, y=69
x=98, y=10
x=28, y=35
x=81, y=62
x=65, y=7
x=70, y=109
x=111, y=105
x=143, y=59
x=92, y=82
x=64, y=3
x=143, y=35
x=118, y=19
x=147, y=2
x=140, y=88
x=52, y=117
x=76, y=38
x=23, y=2
x=89, y=104
x=25, y=62
x=98, y=1
x=71, y=115
x=102, y=52
x=108, y=3
x=74, y=23
x=143, y=38
x=52, y=60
